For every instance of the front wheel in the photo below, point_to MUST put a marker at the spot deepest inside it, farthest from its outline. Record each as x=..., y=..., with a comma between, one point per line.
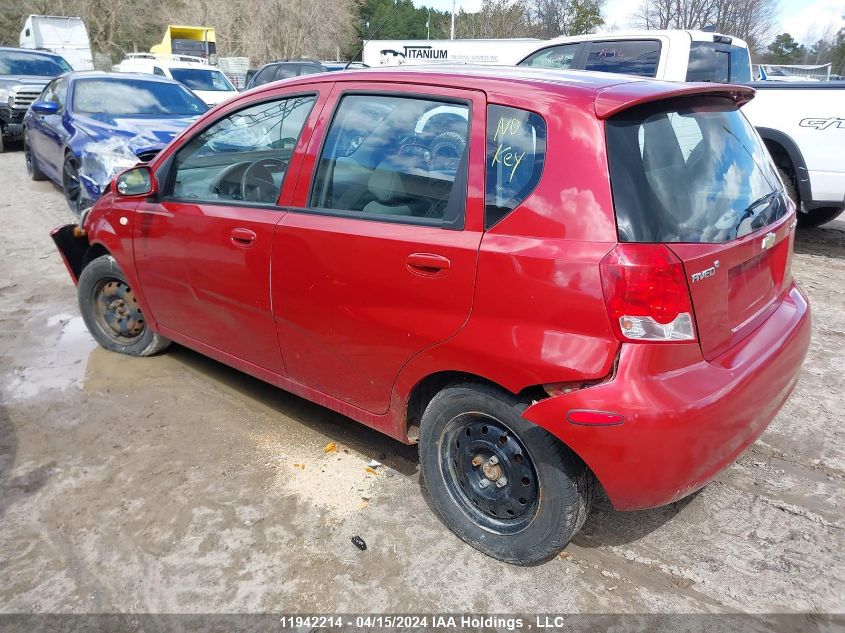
x=111, y=311
x=502, y=484
x=32, y=168
x=72, y=185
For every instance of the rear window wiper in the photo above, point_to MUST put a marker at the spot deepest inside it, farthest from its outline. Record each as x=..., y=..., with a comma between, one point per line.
x=752, y=208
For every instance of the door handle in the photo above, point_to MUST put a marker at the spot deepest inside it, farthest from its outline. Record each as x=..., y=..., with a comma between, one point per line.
x=428, y=264
x=242, y=238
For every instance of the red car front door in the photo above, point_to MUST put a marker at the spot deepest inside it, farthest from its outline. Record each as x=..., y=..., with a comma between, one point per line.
x=376, y=258
x=203, y=251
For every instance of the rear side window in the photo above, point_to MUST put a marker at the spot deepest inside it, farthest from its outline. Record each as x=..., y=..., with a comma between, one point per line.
x=516, y=152
x=631, y=57
x=719, y=63
x=403, y=157
x=690, y=171
x=558, y=57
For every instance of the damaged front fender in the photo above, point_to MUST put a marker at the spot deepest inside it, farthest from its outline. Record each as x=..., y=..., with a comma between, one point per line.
x=101, y=161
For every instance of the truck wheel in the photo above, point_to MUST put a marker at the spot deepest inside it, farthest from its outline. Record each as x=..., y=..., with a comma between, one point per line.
x=32, y=167
x=2, y=141
x=502, y=484
x=817, y=217
x=111, y=311
x=790, y=186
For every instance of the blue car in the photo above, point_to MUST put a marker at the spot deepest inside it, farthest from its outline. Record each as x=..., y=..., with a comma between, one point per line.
x=87, y=126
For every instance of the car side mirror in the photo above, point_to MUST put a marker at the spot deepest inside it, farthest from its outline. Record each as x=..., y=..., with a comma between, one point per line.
x=45, y=107
x=137, y=181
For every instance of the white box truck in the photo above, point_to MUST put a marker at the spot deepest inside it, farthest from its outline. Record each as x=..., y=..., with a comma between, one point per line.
x=65, y=36
x=400, y=52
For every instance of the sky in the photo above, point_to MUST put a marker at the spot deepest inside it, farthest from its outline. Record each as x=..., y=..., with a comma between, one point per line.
x=806, y=20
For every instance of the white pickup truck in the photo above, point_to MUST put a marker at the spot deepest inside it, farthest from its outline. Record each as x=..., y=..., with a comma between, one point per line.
x=802, y=123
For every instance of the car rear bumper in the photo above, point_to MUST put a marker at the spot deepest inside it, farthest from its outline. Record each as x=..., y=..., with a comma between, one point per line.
x=685, y=419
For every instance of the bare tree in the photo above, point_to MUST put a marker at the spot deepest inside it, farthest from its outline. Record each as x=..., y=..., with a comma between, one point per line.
x=751, y=20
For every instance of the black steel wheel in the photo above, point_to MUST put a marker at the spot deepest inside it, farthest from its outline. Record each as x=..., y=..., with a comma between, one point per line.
x=111, y=310
x=32, y=168
x=502, y=484
x=489, y=472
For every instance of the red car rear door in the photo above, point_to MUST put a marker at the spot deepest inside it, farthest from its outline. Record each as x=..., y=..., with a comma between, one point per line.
x=203, y=250
x=376, y=258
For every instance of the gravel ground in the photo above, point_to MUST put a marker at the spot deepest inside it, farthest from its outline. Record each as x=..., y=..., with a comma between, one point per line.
x=175, y=484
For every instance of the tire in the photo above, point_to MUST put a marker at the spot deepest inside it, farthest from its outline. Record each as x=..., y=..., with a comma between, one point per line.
x=790, y=186
x=817, y=217
x=808, y=219
x=548, y=490
x=32, y=167
x=71, y=185
x=111, y=312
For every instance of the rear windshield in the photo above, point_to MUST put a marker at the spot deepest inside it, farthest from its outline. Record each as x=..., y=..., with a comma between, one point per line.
x=719, y=63
x=690, y=171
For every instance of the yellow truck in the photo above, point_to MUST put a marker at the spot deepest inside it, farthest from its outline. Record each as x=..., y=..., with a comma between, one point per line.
x=196, y=41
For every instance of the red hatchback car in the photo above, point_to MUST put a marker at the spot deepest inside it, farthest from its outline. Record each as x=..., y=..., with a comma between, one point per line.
x=545, y=279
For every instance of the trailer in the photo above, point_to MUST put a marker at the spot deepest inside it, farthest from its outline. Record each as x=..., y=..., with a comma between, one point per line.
x=400, y=52
x=63, y=35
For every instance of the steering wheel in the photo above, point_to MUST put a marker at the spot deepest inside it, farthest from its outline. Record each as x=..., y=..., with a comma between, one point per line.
x=257, y=182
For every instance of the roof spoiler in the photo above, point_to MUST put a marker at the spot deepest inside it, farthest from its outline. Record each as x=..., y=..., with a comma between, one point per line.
x=619, y=97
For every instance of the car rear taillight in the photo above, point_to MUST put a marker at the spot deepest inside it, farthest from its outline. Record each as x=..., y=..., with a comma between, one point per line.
x=646, y=293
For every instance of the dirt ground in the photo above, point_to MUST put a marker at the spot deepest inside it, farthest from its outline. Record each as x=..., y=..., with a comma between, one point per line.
x=175, y=484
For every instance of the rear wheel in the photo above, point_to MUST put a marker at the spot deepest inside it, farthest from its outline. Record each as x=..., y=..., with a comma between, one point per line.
x=32, y=167
x=2, y=140
x=502, y=484
x=111, y=311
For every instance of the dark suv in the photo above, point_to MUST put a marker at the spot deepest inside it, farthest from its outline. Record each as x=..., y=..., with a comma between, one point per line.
x=23, y=75
x=283, y=70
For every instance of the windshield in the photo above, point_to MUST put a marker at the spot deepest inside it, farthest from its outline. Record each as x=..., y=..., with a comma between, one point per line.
x=202, y=79
x=719, y=63
x=690, y=170
x=33, y=64
x=123, y=97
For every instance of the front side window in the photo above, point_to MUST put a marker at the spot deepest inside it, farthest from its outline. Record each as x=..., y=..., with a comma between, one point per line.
x=60, y=93
x=394, y=156
x=126, y=97
x=264, y=76
x=244, y=156
x=629, y=57
x=560, y=57
x=516, y=152
x=691, y=170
